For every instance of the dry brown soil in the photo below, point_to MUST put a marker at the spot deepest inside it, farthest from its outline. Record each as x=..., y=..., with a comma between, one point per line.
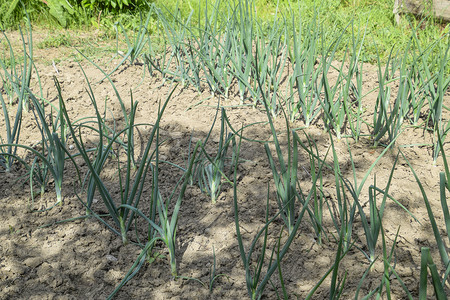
x=82, y=259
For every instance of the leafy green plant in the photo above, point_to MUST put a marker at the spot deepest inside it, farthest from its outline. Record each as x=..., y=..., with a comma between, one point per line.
x=13, y=12
x=113, y=6
x=9, y=10
x=60, y=9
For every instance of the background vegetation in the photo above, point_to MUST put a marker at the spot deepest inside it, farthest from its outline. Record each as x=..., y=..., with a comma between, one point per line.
x=376, y=17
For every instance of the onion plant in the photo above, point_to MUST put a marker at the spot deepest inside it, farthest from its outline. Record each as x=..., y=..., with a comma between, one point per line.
x=242, y=45
x=428, y=80
x=255, y=278
x=177, y=33
x=333, y=106
x=136, y=47
x=318, y=189
x=53, y=144
x=272, y=60
x=198, y=53
x=215, y=64
x=158, y=62
x=385, y=117
x=286, y=177
x=336, y=286
x=372, y=229
x=346, y=209
x=8, y=153
x=213, y=272
x=427, y=263
x=213, y=168
x=356, y=115
x=442, y=83
x=214, y=49
x=373, y=223
x=390, y=120
x=17, y=73
x=417, y=83
x=165, y=228
x=131, y=188
x=303, y=55
x=168, y=225
x=389, y=271
x=129, y=147
x=53, y=153
x=16, y=76
x=349, y=89
x=193, y=62
x=108, y=136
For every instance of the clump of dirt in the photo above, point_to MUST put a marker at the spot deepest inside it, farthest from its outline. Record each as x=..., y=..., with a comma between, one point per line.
x=44, y=257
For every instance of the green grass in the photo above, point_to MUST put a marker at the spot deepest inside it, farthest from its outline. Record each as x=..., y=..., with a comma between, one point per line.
x=52, y=41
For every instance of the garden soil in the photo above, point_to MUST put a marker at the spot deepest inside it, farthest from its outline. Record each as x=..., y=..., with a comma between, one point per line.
x=46, y=255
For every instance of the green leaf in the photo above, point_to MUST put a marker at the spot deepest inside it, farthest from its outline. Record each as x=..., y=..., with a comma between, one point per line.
x=58, y=9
